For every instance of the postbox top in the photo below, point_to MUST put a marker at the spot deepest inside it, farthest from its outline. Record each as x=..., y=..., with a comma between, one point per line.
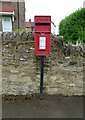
x=42, y=19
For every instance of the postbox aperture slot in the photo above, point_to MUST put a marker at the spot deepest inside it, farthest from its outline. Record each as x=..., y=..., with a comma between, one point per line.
x=42, y=24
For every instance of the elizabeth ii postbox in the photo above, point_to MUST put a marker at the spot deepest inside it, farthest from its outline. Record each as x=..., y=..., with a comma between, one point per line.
x=42, y=35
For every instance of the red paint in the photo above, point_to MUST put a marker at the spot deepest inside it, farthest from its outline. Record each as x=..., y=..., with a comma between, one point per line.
x=6, y=10
x=42, y=33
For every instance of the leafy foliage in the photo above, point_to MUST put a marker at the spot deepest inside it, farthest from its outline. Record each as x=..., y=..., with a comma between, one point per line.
x=73, y=27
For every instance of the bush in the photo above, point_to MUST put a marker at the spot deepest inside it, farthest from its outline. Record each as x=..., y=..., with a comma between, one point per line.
x=72, y=28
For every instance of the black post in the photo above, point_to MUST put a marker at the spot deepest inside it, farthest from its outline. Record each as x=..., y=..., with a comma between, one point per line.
x=41, y=77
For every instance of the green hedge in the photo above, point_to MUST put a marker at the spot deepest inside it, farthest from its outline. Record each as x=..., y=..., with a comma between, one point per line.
x=72, y=28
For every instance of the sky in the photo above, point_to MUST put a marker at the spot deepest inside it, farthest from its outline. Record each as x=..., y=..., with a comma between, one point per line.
x=58, y=9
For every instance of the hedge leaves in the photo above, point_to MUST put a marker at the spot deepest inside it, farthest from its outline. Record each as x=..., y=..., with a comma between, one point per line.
x=72, y=28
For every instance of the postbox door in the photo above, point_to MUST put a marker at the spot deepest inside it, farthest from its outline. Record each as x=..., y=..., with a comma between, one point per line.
x=42, y=44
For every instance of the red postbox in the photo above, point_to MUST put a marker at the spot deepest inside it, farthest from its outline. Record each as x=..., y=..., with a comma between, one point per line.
x=42, y=35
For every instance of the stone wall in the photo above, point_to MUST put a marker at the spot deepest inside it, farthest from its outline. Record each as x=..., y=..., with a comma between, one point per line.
x=63, y=73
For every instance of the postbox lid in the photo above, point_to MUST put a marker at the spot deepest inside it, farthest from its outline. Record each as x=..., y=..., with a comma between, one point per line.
x=42, y=19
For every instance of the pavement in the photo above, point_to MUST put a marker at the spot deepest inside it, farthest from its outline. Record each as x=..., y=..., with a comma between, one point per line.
x=48, y=107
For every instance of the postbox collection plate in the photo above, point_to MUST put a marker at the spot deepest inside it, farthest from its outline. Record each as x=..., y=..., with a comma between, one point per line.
x=42, y=43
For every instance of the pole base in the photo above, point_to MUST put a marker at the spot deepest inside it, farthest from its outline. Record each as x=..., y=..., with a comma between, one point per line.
x=41, y=97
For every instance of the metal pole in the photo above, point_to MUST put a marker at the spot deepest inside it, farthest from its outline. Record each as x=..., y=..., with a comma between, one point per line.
x=41, y=76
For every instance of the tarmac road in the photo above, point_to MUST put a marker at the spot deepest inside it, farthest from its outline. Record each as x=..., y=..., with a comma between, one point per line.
x=49, y=107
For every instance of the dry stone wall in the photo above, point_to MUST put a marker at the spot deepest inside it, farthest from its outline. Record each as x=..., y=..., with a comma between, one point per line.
x=63, y=69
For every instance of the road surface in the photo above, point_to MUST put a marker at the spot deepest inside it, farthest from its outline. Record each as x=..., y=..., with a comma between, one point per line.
x=49, y=107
